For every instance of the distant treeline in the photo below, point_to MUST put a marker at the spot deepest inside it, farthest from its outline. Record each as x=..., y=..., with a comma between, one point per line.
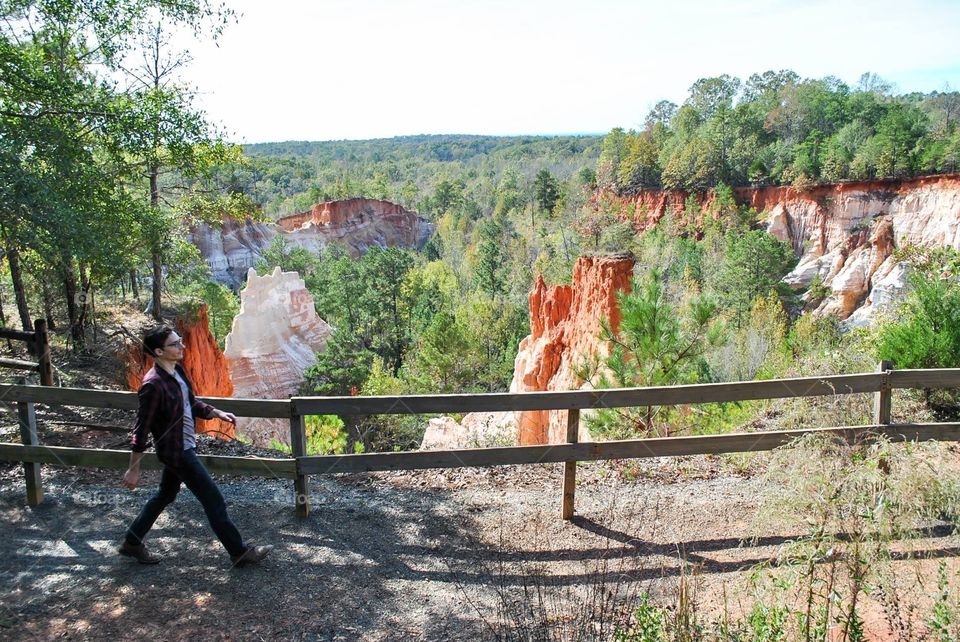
x=425, y=173
x=777, y=129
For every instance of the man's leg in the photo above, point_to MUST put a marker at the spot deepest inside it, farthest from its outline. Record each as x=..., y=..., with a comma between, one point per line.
x=198, y=480
x=165, y=495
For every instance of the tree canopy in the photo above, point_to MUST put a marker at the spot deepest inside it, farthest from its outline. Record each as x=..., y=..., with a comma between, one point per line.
x=777, y=128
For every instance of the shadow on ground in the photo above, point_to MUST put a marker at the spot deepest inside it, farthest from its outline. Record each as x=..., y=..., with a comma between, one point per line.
x=372, y=561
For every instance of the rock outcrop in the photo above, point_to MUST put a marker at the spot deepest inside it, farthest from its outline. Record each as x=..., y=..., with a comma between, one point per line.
x=357, y=223
x=844, y=234
x=273, y=341
x=564, y=329
x=564, y=338
x=203, y=362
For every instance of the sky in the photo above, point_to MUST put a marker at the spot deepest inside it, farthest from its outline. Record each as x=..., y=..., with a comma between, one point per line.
x=358, y=69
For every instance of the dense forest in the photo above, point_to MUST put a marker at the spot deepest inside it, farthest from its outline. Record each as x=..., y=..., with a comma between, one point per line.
x=429, y=174
x=777, y=128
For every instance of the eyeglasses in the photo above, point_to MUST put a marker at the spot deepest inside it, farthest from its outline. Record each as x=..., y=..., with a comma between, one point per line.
x=176, y=344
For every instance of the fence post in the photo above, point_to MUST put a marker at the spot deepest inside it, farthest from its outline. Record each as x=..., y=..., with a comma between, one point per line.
x=570, y=467
x=298, y=444
x=42, y=343
x=28, y=435
x=882, y=399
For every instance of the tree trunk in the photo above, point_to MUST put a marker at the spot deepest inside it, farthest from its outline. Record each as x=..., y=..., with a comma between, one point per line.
x=3, y=319
x=156, y=259
x=48, y=306
x=157, y=282
x=134, y=286
x=93, y=314
x=84, y=302
x=16, y=275
x=70, y=290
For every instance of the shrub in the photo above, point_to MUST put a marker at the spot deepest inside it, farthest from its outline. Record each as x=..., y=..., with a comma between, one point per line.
x=926, y=333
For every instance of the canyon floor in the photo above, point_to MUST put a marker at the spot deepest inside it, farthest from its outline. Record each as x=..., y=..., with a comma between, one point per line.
x=450, y=555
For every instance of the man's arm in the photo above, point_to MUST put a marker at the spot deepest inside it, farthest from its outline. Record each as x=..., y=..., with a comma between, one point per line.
x=132, y=477
x=229, y=417
x=148, y=397
x=206, y=411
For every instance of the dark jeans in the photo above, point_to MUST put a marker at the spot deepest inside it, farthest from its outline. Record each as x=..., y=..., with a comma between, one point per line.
x=192, y=473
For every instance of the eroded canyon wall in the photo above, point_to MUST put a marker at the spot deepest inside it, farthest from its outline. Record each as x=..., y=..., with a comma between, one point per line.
x=357, y=223
x=846, y=233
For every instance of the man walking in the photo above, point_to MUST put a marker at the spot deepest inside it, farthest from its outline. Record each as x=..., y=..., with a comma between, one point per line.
x=167, y=410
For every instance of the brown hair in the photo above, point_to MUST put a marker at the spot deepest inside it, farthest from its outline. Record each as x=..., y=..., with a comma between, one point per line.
x=155, y=339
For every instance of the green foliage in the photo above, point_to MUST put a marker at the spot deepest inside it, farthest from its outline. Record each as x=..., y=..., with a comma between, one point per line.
x=757, y=349
x=854, y=503
x=193, y=287
x=341, y=369
x=470, y=347
x=439, y=362
x=80, y=156
x=465, y=176
x=490, y=268
x=648, y=623
x=755, y=263
x=779, y=128
x=288, y=259
x=325, y=435
x=944, y=618
x=546, y=190
x=222, y=306
x=654, y=344
x=925, y=332
x=387, y=432
x=370, y=309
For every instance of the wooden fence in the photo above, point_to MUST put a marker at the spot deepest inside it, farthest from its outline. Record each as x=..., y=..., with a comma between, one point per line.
x=38, y=343
x=301, y=466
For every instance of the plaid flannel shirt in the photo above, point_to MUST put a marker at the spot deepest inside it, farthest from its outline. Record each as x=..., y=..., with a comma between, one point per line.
x=160, y=414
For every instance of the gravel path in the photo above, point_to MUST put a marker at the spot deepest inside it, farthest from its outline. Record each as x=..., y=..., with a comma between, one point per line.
x=449, y=555
x=428, y=555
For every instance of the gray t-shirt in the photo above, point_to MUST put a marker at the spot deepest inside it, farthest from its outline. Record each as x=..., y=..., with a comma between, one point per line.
x=189, y=428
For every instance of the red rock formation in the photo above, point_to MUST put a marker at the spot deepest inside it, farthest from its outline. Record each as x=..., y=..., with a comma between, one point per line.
x=203, y=362
x=344, y=212
x=650, y=205
x=564, y=330
x=356, y=223
x=564, y=337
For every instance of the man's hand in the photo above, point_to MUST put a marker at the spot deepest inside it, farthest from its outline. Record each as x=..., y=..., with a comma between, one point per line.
x=226, y=416
x=131, y=478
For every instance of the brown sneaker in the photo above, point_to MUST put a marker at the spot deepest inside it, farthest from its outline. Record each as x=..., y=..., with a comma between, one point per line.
x=139, y=552
x=252, y=555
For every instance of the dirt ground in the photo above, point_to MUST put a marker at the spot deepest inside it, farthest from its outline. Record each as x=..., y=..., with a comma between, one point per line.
x=450, y=555
x=469, y=554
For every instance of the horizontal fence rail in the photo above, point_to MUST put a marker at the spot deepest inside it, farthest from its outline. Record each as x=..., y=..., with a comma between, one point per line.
x=301, y=465
x=627, y=397
x=19, y=364
x=122, y=400
x=38, y=343
x=120, y=459
x=16, y=335
x=623, y=449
